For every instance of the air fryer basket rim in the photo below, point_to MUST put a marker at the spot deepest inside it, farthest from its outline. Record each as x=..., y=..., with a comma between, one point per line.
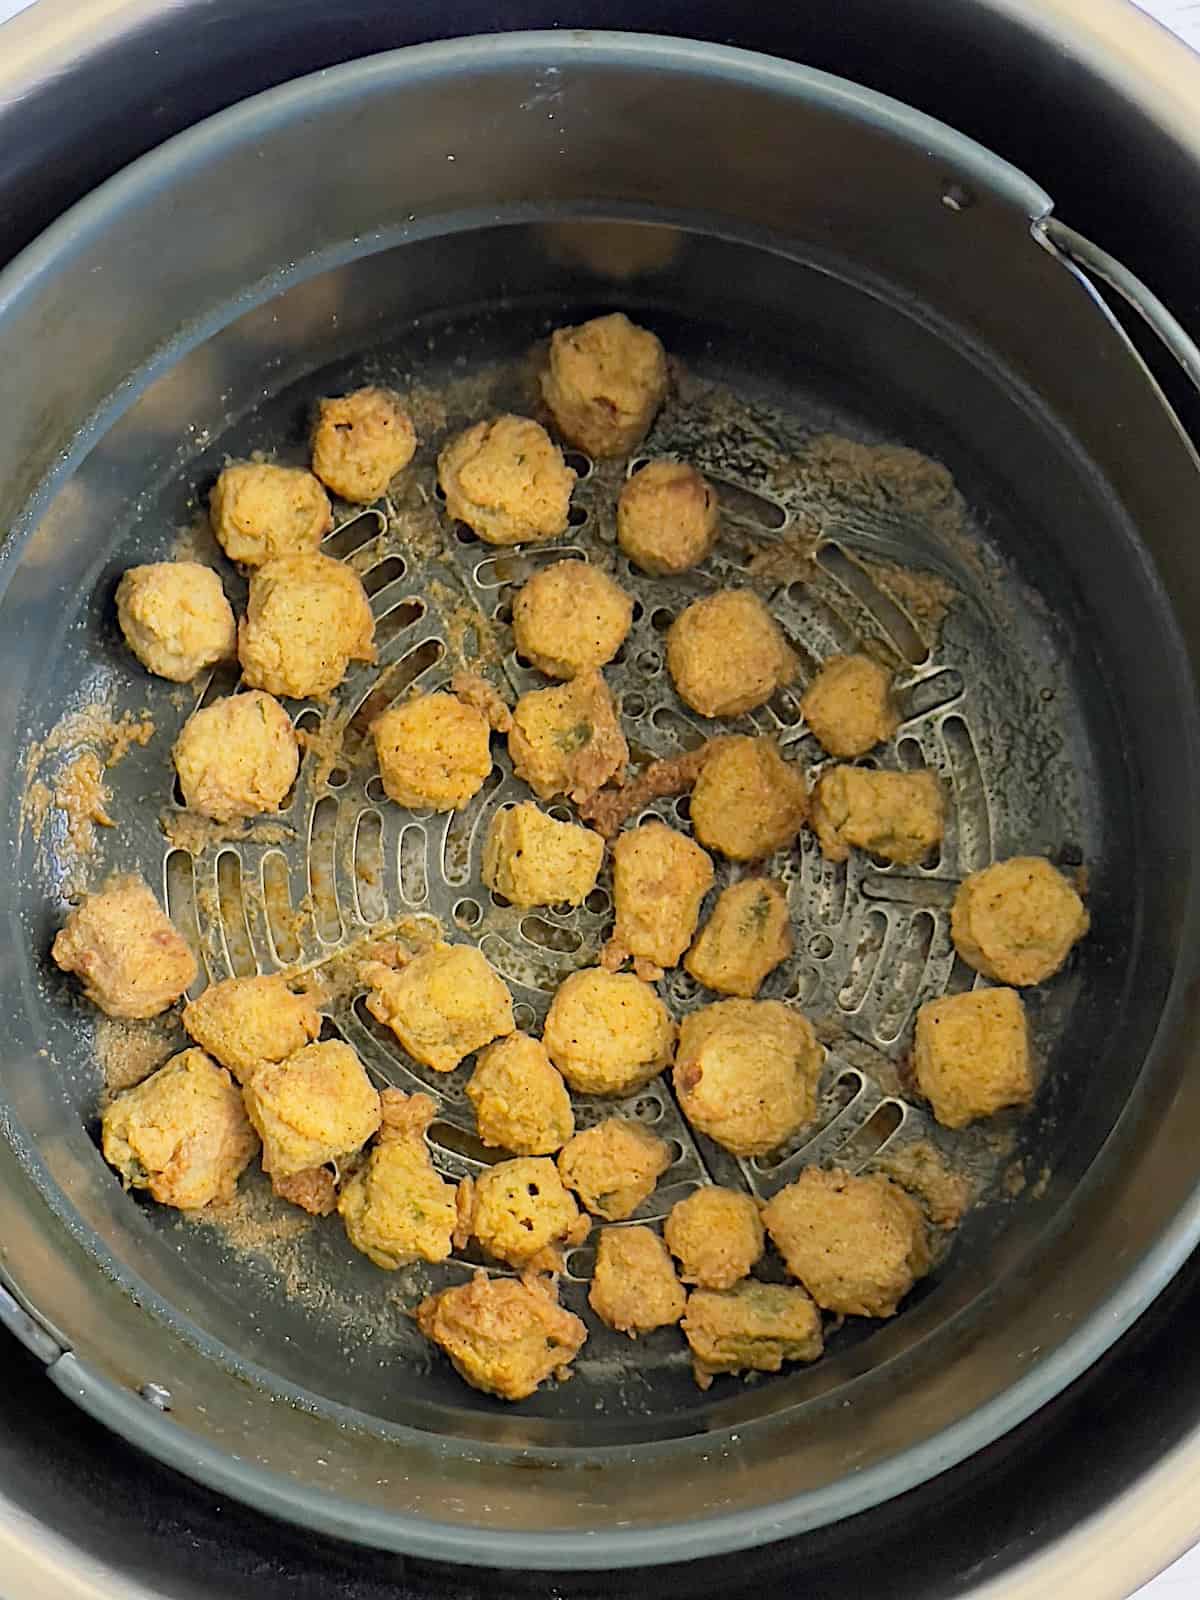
x=199, y=145
x=117, y=1406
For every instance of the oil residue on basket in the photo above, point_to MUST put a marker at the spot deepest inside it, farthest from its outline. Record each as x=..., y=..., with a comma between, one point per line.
x=841, y=477
x=920, y=1167
x=65, y=796
x=283, y=1243
x=185, y=830
x=91, y=730
x=257, y=1221
x=196, y=541
x=82, y=797
x=924, y=595
x=129, y=1051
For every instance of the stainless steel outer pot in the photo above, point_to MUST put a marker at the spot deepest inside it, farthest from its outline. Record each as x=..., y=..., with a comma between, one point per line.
x=103, y=1401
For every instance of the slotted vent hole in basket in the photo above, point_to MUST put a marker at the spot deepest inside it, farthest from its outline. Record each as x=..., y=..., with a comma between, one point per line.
x=896, y=626
x=389, y=688
x=390, y=570
x=870, y=1140
x=280, y=912
x=748, y=507
x=369, y=867
x=971, y=803
x=902, y=982
x=864, y=960
x=396, y=621
x=462, y=828
x=234, y=924
x=354, y=535
x=180, y=884
x=322, y=870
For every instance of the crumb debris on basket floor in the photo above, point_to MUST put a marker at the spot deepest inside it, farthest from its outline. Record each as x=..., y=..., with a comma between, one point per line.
x=101, y=740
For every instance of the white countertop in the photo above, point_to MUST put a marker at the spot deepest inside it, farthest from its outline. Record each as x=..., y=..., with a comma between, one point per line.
x=1183, y=17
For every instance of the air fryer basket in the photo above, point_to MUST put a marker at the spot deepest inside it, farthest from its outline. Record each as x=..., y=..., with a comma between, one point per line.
x=841, y=266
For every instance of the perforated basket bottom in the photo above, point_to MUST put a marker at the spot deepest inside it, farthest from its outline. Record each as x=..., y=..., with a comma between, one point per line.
x=342, y=864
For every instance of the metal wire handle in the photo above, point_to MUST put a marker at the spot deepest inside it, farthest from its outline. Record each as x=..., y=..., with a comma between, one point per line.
x=1057, y=237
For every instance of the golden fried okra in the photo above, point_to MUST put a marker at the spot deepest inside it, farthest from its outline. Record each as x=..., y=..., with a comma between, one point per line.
x=612, y=808
x=924, y=1172
x=753, y=1327
x=896, y=815
x=717, y=1236
x=520, y=1213
x=726, y=654
x=848, y=706
x=567, y=740
x=748, y=801
x=745, y=939
x=971, y=1055
x=259, y=511
x=444, y=1004
x=1016, y=920
x=237, y=757
x=128, y=954
x=433, y=751
x=614, y=1166
x=856, y=1244
x=175, y=618
x=307, y=618
x=521, y=1102
x=660, y=878
x=360, y=442
x=395, y=1207
x=746, y=1073
x=313, y=1189
x=535, y=860
x=667, y=518
x=503, y=1336
x=634, y=1289
x=570, y=618
x=318, y=1105
x=482, y=695
x=608, y=1032
x=243, y=1022
x=507, y=481
x=604, y=382
x=182, y=1133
